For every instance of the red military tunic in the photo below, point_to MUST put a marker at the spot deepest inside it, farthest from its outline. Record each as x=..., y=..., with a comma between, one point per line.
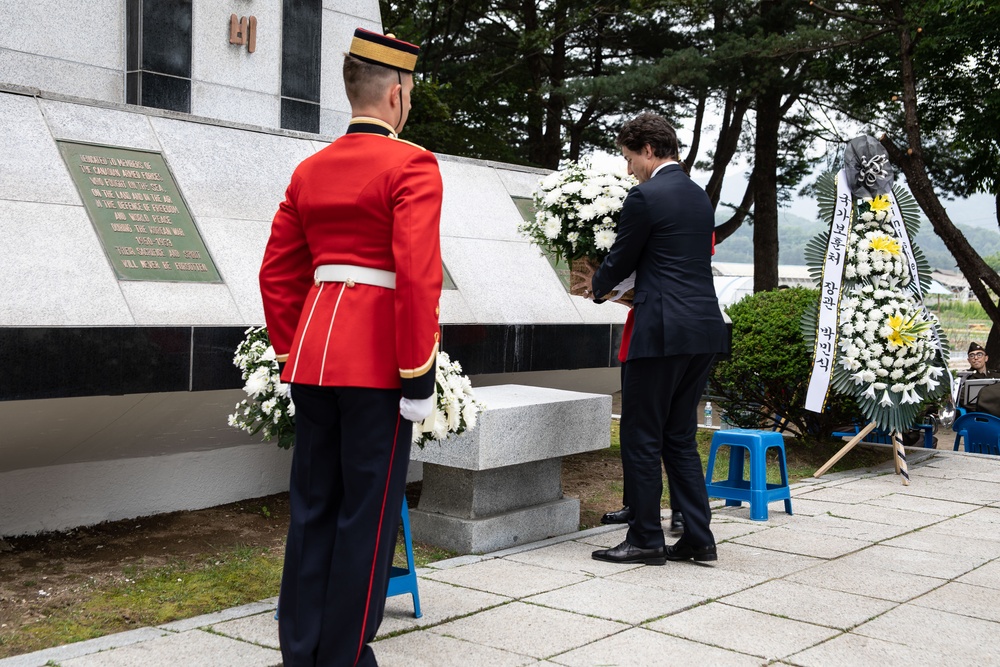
x=366, y=200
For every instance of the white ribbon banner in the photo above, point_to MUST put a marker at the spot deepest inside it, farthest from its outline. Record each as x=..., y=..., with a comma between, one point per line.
x=904, y=239
x=825, y=348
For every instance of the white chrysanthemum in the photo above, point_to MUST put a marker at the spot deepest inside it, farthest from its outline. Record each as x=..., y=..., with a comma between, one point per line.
x=588, y=212
x=591, y=191
x=604, y=239
x=572, y=187
x=258, y=382
x=867, y=216
x=552, y=198
x=552, y=228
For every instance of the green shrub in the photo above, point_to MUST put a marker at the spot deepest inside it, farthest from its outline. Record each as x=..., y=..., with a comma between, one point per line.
x=767, y=375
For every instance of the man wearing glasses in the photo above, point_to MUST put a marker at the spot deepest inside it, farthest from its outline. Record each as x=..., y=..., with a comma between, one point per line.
x=977, y=363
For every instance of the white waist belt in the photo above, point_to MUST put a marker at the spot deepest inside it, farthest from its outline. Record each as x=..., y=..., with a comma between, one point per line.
x=346, y=273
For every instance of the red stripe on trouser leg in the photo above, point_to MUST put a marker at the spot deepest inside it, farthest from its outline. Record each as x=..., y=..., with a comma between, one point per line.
x=378, y=536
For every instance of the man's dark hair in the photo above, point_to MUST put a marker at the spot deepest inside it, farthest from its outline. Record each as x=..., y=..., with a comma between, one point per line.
x=653, y=129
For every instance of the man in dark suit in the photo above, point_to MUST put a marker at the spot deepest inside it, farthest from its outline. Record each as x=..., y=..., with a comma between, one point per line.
x=665, y=237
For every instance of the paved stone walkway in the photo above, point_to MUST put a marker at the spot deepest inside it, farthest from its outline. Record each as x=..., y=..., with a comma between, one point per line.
x=866, y=572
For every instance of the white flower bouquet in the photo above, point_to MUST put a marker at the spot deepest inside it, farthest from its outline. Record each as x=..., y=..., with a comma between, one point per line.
x=889, y=346
x=457, y=408
x=577, y=211
x=269, y=410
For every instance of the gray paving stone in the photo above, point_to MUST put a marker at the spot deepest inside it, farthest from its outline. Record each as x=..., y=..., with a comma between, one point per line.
x=884, y=515
x=933, y=539
x=506, y=577
x=854, y=529
x=973, y=640
x=803, y=506
x=820, y=606
x=225, y=615
x=692, y=578
x=426, y=649
x=802, y=542
x=754, y=560
x=194, y=647
x=960, y=490
x=987, y=576
x=727, y=530
x=617, y=600
x=925, y=563
x=743, y=630
x=639, y=646
x=439, y=602
x=776, y=514
x=261, y=629
x=851, y=649
x=963, y=599
x=876, y=582
x=59, y=654
x=845, y=496
x=915, y=503
x=529, y=629
x=967, y=527
x=610, y=539
x=571, y=557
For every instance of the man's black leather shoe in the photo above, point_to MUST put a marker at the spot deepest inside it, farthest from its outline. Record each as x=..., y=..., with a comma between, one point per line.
x=676, y=524
x=619, y=516
x=682, y=551
x=626, y=553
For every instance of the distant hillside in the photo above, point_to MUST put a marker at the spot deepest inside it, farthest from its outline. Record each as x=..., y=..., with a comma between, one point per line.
x=794, y=232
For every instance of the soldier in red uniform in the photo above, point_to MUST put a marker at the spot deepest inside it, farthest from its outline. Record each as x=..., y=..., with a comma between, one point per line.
x=350, y=282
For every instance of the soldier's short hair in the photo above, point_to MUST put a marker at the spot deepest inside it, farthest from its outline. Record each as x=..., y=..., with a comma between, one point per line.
x=365, y=82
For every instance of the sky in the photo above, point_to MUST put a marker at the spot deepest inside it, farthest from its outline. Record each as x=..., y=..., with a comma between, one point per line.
x=978, y=210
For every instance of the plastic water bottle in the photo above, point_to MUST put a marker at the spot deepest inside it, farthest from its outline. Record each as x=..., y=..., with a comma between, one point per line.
x=708, y=414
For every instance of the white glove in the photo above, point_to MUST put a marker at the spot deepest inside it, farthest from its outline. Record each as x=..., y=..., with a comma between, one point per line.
x=416, y=409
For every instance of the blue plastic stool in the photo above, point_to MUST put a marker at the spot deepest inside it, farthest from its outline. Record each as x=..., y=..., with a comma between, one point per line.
x=756, y=490
x=402, y=580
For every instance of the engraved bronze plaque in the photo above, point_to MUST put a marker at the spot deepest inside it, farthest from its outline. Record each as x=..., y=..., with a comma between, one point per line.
x=139, y=214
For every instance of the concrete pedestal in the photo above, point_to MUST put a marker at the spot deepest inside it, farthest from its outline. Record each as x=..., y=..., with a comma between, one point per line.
x=500, y=485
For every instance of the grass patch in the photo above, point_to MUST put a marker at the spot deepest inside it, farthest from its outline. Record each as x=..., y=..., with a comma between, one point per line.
x=142, y=597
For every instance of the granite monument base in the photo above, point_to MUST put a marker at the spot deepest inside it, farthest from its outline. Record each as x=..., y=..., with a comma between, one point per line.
x=500, y=485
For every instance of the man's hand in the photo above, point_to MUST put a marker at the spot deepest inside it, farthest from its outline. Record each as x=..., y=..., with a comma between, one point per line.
x=416, y=409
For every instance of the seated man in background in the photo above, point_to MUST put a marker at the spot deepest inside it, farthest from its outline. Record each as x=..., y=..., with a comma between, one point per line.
x=978, y=363
x=988, y=398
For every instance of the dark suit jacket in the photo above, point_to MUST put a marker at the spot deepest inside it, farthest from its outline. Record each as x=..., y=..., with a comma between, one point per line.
x=665, y=236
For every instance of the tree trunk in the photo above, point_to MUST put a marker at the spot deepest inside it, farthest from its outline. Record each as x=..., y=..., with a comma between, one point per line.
x=983, y=280
x=765, y=206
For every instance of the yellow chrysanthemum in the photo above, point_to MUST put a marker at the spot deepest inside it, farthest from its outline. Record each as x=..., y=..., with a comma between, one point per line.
x=885, y=243
x=880, y=203
x=905, y=331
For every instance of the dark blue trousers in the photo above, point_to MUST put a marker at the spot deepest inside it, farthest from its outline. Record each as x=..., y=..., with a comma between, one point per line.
x=348, y=478
x=659, y=421
x=670, y=486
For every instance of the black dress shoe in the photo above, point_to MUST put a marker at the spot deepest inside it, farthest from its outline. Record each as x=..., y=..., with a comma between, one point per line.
x=619, y=516
x=676, y=524
x=626, y=553
x=682, y=551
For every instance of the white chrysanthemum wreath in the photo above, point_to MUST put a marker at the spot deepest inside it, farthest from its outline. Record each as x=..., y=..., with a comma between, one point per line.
x=576, y=211
x=269, y=410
